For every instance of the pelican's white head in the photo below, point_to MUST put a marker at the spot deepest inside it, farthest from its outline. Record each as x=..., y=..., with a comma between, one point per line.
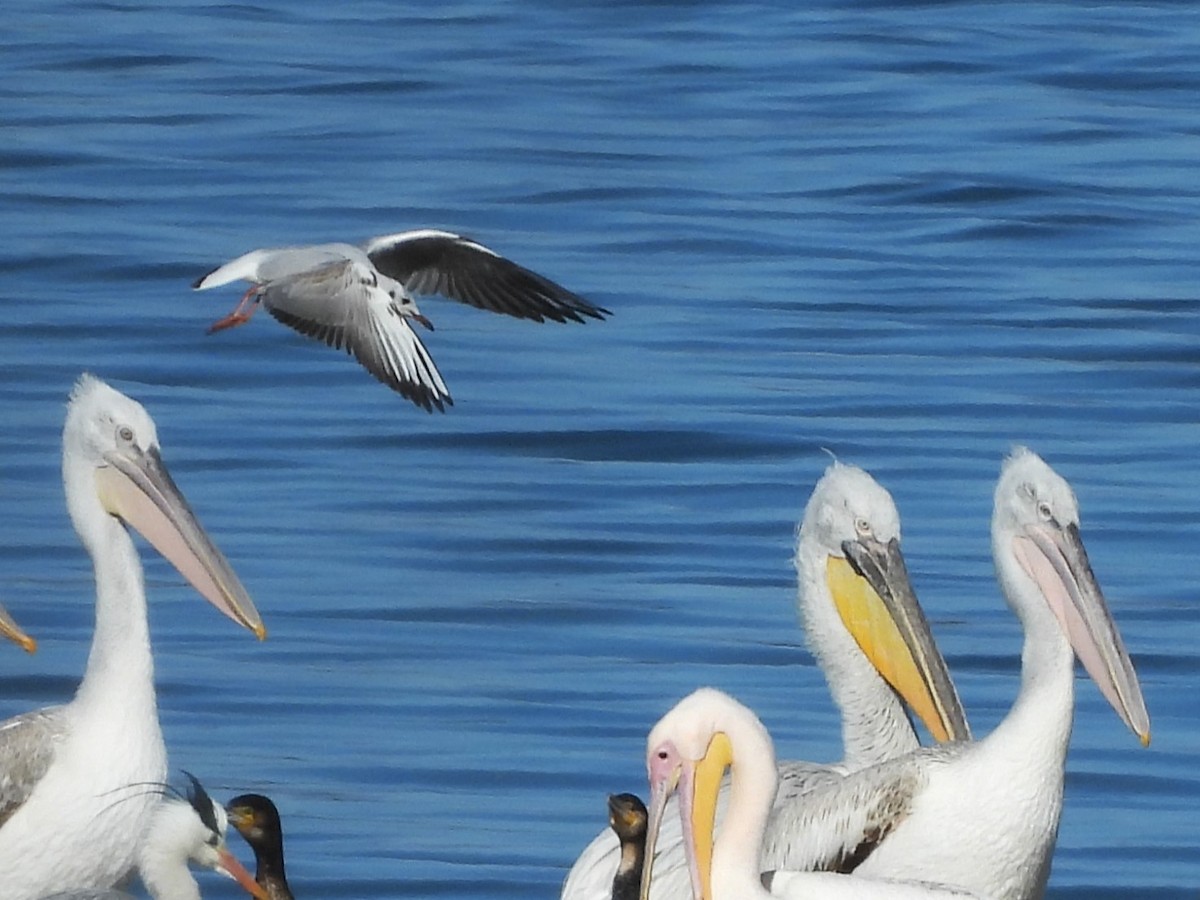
x=692, y=723
x=1030, y=492
x=857, y=601
x=114, y=473
x=100, y=421
x=1042, y=564
x=687, y=752
x=845, y=504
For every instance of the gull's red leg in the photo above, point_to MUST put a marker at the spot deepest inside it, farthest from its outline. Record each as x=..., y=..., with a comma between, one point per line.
x=239, y=316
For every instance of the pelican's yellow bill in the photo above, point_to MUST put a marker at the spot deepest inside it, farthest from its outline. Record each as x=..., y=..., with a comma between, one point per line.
x=706, y=785
x=867, y=619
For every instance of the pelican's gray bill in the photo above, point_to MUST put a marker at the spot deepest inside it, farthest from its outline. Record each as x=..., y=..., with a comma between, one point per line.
x=136, y=486
x=1055, y=558
x=11, y=630
x=879, y=608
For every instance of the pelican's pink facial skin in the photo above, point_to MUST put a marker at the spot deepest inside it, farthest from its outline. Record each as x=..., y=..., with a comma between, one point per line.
x=664, y=767
x=663, y=764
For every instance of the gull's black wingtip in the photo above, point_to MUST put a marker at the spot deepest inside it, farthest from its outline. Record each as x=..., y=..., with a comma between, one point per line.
x=422, y=399
x=597, y=312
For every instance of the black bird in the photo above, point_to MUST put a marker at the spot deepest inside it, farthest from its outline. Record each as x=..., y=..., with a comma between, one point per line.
x=627, y=816
x=257, y=820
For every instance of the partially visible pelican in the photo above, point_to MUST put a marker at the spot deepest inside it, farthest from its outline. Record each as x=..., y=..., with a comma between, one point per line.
x=11, y=630
x=257, y=820
x=361, y=298
x=870, y=637
x=688, y=752
x=71, y=807
x=983, y=816
x=627, y=818
x=184, y=827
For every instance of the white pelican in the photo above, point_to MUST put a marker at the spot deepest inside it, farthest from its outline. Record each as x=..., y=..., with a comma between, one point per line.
x=183, y=828
x=983, y=816
x=869, y=636
x=69, y=817
x=11, y=630
x=361, y=298
x=688, y=752
x=257, y=820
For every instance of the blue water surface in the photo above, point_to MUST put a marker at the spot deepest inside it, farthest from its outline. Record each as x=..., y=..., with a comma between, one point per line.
x=908, y=233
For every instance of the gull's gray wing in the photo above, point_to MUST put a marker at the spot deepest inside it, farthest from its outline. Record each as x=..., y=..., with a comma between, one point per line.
x=344, y=305
x=267, y=264
x=439, y=262
x=27, y=746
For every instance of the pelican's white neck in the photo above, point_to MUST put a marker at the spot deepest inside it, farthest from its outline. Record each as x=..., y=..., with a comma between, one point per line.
x=1042, y=714
x=875, y=726
x=753, y=782
x=120, y=663
x=1027, y=750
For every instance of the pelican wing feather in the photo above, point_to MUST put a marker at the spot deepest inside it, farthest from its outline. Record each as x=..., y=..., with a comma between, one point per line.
x=836, y=823
x=28, y=743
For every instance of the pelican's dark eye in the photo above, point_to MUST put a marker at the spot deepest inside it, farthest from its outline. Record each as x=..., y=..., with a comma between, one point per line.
x=662, y=754
x=1045, y=511
x=125, y=434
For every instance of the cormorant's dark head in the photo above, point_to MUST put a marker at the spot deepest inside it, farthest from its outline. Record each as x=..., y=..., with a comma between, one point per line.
x=627, y=815
x=256, y=819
